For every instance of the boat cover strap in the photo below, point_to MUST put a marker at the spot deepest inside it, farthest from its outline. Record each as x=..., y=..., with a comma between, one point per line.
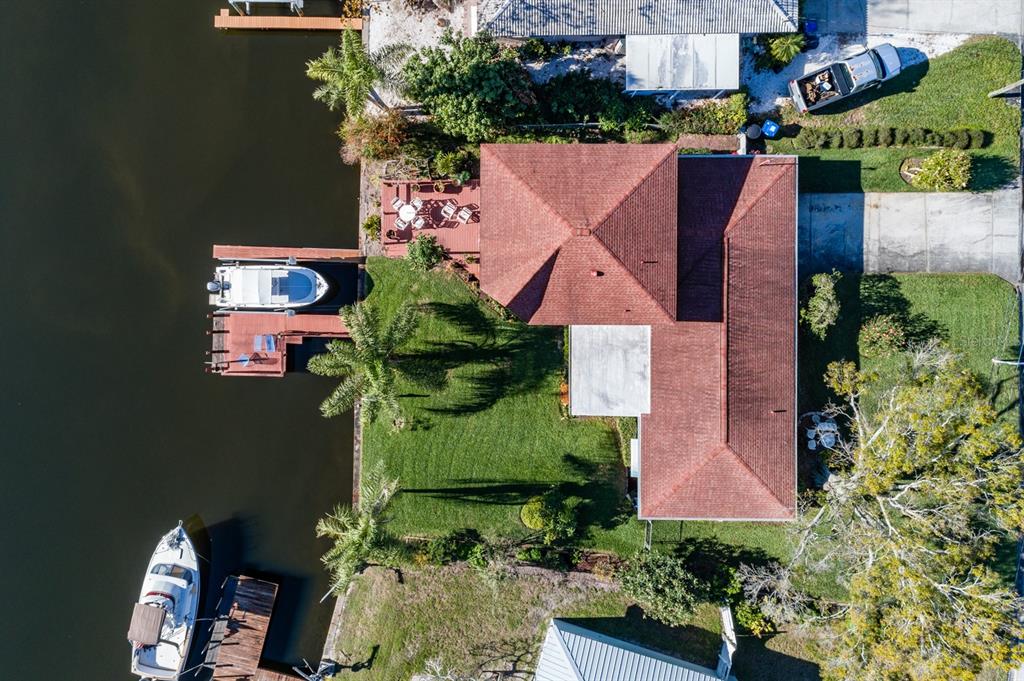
x=147, y=621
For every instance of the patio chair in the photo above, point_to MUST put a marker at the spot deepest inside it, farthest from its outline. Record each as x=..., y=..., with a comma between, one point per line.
x=400, y=223
x=417, y=202
x=419, y=222
x=448, y=210
x=464, y=215
x=397, y=203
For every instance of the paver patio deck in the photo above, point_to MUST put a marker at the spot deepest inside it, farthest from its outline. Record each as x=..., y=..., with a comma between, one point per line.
x=459, y=240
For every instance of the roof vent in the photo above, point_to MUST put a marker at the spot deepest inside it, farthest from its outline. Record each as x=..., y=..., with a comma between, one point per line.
x=582, y=231
x=596, y=273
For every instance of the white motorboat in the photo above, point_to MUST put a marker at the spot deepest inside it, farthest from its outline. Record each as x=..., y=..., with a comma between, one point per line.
x=165, y=616
x=265, y=287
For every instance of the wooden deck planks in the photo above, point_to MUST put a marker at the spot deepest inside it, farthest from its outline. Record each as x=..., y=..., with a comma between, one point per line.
x=459, y=240
x=226, y=20
x=233, y=335
x=224, y=252
x=241, y=628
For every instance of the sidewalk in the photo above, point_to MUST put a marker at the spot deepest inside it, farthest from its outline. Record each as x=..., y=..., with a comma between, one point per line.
x=911, y=232
x=943, y=16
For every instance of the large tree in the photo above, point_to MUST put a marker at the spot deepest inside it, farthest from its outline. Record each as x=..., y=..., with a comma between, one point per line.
x=359, y=535
x=350, y=74
x=368, y=364
x=925, y=489
x=473, y=87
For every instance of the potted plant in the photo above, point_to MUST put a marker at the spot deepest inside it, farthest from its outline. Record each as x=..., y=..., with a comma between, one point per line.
x=438, y=186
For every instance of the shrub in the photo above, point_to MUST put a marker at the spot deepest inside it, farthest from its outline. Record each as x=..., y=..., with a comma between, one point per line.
x=946, y=170
x=785, y=47
x=531, y=514
x=901, y=137
x=822, y=309
x=372, y=138
x=884, y=137
x=479, y=556
x=869, y=136
x=808, y=138
x=371, y=226
x=452, y=547
x=977, y=138
x=933, y=139
x=452, y=164
x=645, y=136
x=916, y=136
x=881, y=336
x=473, y=87
x=627, y=427
x=835, y=139
x=663, y=587
x=717, y=117
x=424, y=252
x=853, y=138
x=751, y=618
x=578, y=97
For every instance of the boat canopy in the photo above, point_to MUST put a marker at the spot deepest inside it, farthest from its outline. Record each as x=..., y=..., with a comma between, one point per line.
x=147, y=623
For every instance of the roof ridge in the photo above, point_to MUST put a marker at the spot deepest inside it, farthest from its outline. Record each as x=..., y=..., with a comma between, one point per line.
x=760, y=195
x=790, y=19
x=723, y=448
x=671, y=152
x=528, y=187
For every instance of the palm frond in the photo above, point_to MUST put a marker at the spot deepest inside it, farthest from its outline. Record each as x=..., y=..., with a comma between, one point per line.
x=343, y=397
x=341, y=359
x=401, y=327
x=377, y=490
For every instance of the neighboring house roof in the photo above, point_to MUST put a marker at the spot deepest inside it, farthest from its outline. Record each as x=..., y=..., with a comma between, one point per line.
x=529, y=18
x=580, y=233
x=720, y=439
x=572, y=653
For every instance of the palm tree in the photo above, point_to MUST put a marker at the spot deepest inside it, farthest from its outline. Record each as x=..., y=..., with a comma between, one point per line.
x=359, y=535
x=349, y=73
x=368, y=363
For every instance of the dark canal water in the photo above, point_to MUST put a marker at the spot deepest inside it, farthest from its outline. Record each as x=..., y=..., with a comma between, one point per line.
x=134, y=136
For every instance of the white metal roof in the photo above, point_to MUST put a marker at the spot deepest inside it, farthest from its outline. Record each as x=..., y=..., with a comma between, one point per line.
x=609, y=370
x=682, y=62
x=572, y=653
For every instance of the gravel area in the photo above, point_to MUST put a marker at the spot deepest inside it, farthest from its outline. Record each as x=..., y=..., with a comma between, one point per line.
x=597, y=57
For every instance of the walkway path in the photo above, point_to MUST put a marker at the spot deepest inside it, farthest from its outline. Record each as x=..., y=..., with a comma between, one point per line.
x=912, y=232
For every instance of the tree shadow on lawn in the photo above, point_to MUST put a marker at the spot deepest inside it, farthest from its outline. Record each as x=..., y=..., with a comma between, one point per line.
x=494, y=492
x=605, y=504
x=989, y=172
x=714, y=562
x=510, y=357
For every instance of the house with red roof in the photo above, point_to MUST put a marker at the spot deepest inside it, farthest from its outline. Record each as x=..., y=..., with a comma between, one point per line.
x=677, y=278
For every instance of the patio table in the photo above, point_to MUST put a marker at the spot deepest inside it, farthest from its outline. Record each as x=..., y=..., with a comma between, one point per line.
x=407, y=213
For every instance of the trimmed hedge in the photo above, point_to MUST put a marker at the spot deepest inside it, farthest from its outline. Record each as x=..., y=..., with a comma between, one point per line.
x=855, y=138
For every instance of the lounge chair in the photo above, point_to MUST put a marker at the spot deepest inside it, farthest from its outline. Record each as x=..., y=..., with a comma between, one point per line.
x=464, y=215
x=397, y=203
x=448, y=210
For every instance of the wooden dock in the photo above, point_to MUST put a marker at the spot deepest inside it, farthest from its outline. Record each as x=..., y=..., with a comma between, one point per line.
x=224, y=252
x=226, y=20
x=240, y=629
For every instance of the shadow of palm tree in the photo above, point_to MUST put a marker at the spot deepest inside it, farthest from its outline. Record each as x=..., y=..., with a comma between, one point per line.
x=483, y=491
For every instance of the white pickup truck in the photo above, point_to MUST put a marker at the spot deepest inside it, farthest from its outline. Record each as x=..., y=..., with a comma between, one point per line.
x=846, y=77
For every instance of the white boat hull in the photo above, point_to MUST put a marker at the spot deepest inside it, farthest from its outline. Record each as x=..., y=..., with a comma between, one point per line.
x=172, y=585
x=266, y=287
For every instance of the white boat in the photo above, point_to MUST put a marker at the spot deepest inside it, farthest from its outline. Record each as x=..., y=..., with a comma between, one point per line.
x=265, y=287
x=165, y=616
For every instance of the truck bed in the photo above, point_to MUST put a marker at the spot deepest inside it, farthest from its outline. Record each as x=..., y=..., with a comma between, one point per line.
x=811, y=89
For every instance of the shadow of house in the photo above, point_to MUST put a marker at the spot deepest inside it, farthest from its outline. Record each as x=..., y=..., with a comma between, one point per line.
x=753, y=657
x=830, y=231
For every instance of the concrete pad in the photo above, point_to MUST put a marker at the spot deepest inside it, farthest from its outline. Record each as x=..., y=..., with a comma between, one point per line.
x=609, y=370
x=902, y=237
x=1006, y=212
x=945, y=16
x=959, y=232
x=834, y=226
x=838, y=16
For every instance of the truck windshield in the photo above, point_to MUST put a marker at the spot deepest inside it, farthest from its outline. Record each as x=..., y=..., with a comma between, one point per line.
x=879, y=66
x=844, y=81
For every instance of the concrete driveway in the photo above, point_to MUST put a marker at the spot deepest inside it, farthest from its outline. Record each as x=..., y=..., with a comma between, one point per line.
x=944, y=16
x=911, y=232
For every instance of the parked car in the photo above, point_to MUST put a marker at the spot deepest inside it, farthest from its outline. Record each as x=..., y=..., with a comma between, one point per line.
x=846, y=77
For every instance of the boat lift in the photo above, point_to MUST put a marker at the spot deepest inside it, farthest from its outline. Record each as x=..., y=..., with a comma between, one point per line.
x=294, y=5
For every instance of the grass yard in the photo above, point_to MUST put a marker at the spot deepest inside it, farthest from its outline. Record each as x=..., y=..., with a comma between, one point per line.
x=473, y=624
x=976, y=314
x=942, y=94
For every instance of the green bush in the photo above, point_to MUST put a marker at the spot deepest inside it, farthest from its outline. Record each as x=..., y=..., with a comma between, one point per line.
x=916, y=136
x=479, y=556
x=424, y=252
x=717, y=117
x=853, y=138
x=933, y=139
x=750, y=617
x=645, y=136
x=808, y=138
x=977, y=138
x=881, y=336
x=884, y=137
x=901, y=137
x=663, y=587
x=578, y=97
x=869, y=137
x=627, y=427
x=531, y=513
x=785, y=47
x=374, y=138
x=946, y=170
x=821, y=312
x=452, y=547
x=371, y=226
x=835, y=139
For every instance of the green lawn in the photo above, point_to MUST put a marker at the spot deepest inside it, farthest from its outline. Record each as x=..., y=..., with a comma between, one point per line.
x=976, y=314
x=945, y=93
x=473, y=624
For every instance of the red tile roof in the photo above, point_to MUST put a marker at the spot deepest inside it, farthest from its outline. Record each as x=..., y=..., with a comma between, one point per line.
x=720, y=440
x=580, y=234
